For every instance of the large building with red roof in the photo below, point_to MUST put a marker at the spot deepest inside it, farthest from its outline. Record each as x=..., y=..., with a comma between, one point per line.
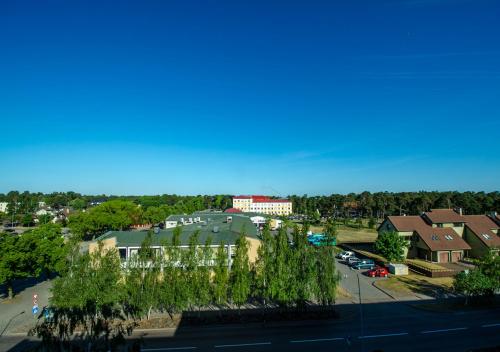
x=262, y=204
x=445, y=235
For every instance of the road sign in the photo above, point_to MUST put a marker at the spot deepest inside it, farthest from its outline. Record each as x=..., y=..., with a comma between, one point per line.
x=34, y=310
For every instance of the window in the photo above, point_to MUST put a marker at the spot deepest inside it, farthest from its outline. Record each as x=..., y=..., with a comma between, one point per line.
x=458, y=224
x=123, y=253
x=486, y=236
x=439, y=225
x=435, y=237
x=448, y=237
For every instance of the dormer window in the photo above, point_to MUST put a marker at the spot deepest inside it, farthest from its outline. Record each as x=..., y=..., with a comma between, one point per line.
x=486, y=236
x=448, y=237
x=435, y=237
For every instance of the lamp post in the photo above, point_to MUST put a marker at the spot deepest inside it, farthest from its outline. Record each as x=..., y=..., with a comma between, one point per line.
x=360, y=315
x=10, y=320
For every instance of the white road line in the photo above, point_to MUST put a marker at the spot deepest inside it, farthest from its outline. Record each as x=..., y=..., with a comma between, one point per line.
x=317, y=340
x=442, y=330
x=490, y=325
x=169, y=349
x=243, y=344
x=384, y=335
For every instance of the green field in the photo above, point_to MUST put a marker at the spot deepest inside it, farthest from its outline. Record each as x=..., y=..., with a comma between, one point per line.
x=347, y=234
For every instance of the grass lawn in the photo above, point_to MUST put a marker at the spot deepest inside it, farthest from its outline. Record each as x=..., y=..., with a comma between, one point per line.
x=414, y=283
x=342, y=292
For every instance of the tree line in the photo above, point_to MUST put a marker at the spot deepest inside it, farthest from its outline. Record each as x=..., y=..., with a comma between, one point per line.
x=365, y=204
x=381, y=204
x=287, y=273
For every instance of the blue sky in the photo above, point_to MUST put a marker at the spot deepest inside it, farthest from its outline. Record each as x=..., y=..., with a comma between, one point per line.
x=147, y=97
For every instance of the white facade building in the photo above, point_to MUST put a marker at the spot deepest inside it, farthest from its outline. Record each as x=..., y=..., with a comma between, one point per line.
x=3, y=207
x=262, y=204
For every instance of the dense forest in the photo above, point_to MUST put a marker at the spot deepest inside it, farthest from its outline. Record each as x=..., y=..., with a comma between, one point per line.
x=363, y=204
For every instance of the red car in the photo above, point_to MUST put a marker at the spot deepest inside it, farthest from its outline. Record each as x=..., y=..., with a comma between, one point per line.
x=378, y=271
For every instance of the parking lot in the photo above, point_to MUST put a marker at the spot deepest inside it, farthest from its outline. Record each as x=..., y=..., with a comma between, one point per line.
x=369, y=293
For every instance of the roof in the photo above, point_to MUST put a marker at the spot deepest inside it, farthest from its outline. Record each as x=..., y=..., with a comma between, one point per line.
x=433, y=237
x=232, y=210
x=227, y=232
x=482, y=224
x=441, y=239
x=407, y=223
x=439, y=216
x=262, y=199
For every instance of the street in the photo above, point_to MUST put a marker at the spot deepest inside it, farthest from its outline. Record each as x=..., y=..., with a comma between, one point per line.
x=388, y=326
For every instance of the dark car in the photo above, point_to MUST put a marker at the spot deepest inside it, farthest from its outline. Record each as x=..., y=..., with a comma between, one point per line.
x=364, y=264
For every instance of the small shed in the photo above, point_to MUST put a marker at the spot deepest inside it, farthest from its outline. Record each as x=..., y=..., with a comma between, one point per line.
x=398, y=269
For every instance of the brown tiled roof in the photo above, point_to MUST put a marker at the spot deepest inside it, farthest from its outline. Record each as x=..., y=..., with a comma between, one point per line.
x=407, y=223
x=436, y=238
x=438, y=216
x=427, y=232
x=482, y=224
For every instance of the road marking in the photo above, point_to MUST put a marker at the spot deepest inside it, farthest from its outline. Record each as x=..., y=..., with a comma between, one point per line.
x=490, y=325
x=169, y=348
x=244, y=344
x=317, y=340
x=442, y=330
x=384, y=335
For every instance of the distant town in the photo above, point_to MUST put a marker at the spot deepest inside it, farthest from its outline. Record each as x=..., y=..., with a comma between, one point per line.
x=168, y=261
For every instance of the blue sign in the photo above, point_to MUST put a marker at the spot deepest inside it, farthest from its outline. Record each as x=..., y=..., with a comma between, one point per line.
x=34, y=310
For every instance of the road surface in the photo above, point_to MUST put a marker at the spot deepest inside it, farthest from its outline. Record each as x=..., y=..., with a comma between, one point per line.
x=392, y=326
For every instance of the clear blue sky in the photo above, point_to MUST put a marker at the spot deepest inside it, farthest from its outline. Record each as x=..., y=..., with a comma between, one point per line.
x=147, y=97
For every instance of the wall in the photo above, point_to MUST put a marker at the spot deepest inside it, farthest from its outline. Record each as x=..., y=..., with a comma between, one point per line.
x=107, y=243
x=478, y=248
x=254, y=245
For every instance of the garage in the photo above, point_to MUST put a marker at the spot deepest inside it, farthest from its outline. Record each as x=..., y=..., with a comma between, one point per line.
x=456, y=256
x=443, y=257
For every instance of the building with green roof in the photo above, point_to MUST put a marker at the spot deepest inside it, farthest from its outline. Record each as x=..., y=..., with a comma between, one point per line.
x=222, y=229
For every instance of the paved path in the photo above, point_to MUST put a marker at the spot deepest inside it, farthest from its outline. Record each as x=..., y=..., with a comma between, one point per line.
x=11, y=319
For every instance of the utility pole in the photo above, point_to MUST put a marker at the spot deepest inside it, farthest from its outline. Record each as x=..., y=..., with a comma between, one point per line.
x=361, y=317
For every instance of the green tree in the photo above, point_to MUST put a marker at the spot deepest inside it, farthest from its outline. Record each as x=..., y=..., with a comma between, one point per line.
x=142, y=279
x=221, y=276
x=78, y=204
x=327, y=277
x=87, y=296
x=173, y=296
x=110, y=215
x=280, y=284
x=391, y=246
x=264, y=266
x=303, y=266
x=44, y=219
x=371, y=223
x=473, y=284
x=240, y=272
x=38, y=251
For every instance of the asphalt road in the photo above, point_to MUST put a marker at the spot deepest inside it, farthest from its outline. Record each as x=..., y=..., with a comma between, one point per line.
x=388, y=327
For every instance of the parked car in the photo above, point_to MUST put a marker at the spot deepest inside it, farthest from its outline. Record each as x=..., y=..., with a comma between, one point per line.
x=378, y=272
x=364, y=264
x=345, y=255
x=352, y=260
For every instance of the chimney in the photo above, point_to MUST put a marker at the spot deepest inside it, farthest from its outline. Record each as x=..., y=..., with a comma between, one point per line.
x=460, y=211
x=215, y=229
